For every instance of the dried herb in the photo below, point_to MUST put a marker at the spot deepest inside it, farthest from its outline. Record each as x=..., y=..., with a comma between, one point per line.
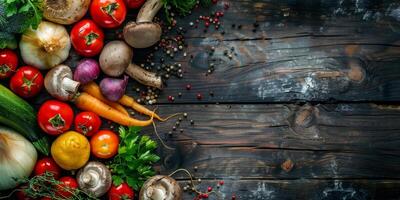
x=133, y=163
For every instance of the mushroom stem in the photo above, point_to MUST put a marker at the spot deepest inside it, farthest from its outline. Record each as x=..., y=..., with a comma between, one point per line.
x=88, y=179
x=70, y=85
x=144, y=77
x=149, y=10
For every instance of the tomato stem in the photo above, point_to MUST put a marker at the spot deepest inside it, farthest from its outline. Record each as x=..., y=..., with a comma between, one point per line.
x=90, y=38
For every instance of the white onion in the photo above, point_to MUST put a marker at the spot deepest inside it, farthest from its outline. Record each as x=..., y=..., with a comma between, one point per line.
x=45, y=47
x=17, y=158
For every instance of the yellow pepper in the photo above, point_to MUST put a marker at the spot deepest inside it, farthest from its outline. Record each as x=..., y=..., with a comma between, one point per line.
x=71, y=150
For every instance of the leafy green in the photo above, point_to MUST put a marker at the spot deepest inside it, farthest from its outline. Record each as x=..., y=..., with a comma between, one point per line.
x=16, y=16
x=133, y=163
x=182, y=6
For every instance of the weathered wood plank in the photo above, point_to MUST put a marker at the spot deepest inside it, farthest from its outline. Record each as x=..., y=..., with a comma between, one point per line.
x=304, y=189
x=316, y=57
x=252, y=141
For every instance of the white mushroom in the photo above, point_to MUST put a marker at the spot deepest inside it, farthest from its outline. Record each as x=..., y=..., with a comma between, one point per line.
x=94, y=178
x=59, y=83
x=160, y=188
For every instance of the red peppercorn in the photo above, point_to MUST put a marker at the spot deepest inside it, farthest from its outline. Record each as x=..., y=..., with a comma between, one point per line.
x=216, y=20
x=170, y=98
x=205, y=196
x=199, y=96
x=209, y=189
x=188, y=86
x=207, y=24
x=226, y=5
x=214, y=1
x=233, y=197
x=221, y=182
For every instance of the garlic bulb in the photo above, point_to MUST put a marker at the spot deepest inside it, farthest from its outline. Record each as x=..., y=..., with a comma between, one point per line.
x=45, y=47
x=65, y=11
x=17, y=158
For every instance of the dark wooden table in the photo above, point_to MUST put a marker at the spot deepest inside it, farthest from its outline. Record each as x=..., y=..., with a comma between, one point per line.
x=316, y=85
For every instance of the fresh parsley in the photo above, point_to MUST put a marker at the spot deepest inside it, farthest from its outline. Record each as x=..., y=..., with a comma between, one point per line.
x=16, y=16
x=133, y=163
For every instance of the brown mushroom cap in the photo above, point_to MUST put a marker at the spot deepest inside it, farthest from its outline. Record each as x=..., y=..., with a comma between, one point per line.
x=115, y=58
x=142, y=35
x=59, y=83
x=160, y=188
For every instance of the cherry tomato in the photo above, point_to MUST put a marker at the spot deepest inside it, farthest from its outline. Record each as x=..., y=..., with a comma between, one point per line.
x=134, y=3
x=8, y=63
x=47, y=164
x=104, y=144
x=87, y=123
x=108, y=13
x=87, y=38
x=20, y=194
x=121, y=192
x=55, y=117
x=27, y=82
x=66, y=187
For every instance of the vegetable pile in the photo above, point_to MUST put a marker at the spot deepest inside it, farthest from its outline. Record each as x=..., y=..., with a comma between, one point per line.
x=63, y=150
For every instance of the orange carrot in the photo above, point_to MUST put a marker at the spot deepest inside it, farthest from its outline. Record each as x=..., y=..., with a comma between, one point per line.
x=94, y=90
x=89, y=103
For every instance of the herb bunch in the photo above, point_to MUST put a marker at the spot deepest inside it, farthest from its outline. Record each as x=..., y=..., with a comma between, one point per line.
x=183, y=7
x=133, y=163
x=16, y=16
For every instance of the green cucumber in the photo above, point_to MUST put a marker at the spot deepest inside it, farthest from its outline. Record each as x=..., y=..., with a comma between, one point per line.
x=16, y=113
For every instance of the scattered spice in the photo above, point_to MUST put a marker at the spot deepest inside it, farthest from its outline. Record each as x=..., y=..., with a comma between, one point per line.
x=287, y=166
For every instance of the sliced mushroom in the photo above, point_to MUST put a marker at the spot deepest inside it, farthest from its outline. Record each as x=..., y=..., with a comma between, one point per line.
x=160, y=188
x=59, y=83
x=94, y=178
x=144, y=32
x=65, y=11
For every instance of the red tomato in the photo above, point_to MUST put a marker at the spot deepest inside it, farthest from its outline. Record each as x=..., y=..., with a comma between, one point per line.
x=134, y=3
x=87, y=123
x=55, y=117
x=66, y=188
x=27, y=82
x=104, y=144
x=8, y=63
x=108, y=13
x=87, y=38
x=47, y=164
x=121, y=192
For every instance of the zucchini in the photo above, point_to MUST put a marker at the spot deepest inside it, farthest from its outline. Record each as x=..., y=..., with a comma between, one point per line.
x=16, y=113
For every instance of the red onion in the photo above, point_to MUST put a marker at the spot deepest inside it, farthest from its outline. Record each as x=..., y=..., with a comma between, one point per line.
x=112, y=88
x=86, y=71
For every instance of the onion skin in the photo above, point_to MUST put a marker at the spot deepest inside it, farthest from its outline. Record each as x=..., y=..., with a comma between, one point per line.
x=87, y=71
x=17, y=158
x=65, y=11
x=45, y=47
x=113, y=89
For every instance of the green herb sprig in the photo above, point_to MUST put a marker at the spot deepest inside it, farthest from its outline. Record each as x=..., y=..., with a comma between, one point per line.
x=183, y=7
x=16, y=16
x=133, y=163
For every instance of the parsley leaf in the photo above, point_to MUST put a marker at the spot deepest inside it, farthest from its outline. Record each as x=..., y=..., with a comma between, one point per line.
x=133, y=163
x=16, y=16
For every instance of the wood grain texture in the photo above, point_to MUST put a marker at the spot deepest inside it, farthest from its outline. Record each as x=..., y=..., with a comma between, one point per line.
x=303, y=189
x=252, y=141
x=295, y=54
